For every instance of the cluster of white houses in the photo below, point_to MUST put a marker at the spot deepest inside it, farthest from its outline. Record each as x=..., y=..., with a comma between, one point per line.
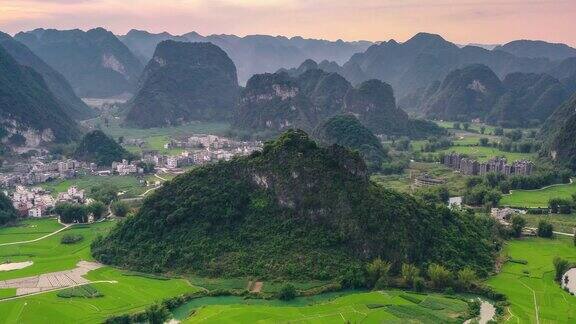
x=469, y=166
x=38, y=170
x=35, y=202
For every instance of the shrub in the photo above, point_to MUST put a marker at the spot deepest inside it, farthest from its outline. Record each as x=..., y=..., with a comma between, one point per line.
x=560, y=267
x=85, y=291
x=439, y=275
x=120, y=208
x=287, y=292
x=71, y=238
x=545, y=229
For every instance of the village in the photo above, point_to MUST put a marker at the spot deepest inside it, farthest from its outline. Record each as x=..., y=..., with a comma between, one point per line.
x=23, y=183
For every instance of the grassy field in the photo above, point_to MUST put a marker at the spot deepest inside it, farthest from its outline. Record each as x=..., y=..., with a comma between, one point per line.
x=561, y=223
x=49, y=254
x=129, y=294
x=130, y=185
x=482, y=153
x=539, y=197
x=455, y=182
x=372, y=307
x=531, y=290
x=29, y=229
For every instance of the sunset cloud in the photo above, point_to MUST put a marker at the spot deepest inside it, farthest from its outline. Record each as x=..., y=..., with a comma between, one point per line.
x=459, y=21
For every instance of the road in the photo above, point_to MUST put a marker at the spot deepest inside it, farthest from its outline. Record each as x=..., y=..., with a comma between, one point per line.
x=66, y=226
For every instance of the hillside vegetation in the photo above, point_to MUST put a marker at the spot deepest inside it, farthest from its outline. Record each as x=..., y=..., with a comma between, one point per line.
x=185, y=82
x=347, y=131
x=28, y=108
x=97, y=147
x=294, y=210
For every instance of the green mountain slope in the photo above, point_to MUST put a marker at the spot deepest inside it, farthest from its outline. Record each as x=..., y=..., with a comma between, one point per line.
x=7, y=211
x=347, y=131
x=295, y=210
x=57, y=84
x=95, y=62
x=560, y=133
x=185, y=82
x=28, y=108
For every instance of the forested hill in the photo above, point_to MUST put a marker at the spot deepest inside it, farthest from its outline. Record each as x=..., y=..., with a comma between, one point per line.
x=275, y=102
x=57, y=84
x=185, y=82
x=346, y=130
x=560, y=131
x=99, y=148
x=95, y=62
x=29, y=113
x=294, y=210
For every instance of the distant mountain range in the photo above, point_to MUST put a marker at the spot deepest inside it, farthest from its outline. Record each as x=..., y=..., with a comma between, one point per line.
x=271, y=103
x=475, y=91
x=95, y=62
x=253, y=54
x=185, y=82
x=58, y=85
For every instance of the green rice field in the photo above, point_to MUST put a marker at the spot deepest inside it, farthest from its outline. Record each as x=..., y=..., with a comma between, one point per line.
x=369, y=307
x=29, y=229
x=130, y=185
x=561, y=223
x=530, y=288
x=539, y=197
x=482, y=153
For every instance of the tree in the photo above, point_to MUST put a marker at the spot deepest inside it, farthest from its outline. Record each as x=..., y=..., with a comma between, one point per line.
x=409, y=273
x=498, y=131
x=466, y=126
x=71, y=213
x=104, y=193
x=377, y=272
x=439, y=275
x=287, y=292
x=466, y=278
x=7, y=211
x=518, y=223
x=483, y=141
x=456, y=126
x=545, y=229
x=560, y=206
x=157, y=314
x=97, y=209
x=147, y=167
x=120, y=208
x=482, y=130
x=560, y=267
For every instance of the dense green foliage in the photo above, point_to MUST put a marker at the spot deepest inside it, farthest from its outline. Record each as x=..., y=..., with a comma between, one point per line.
x=185, y=82
x=561, y=131
x=26, y=100
x=347, y=131
x=99, y=148
x=71, y=213
x=294, y=210
x=95, y=62
x=7, y=212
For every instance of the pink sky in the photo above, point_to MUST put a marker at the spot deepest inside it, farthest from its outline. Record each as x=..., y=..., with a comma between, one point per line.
x=460, y=21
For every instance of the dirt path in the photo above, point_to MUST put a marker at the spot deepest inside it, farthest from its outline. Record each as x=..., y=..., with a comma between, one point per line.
x=255, y=286
x=51, y=281
x=66, y=226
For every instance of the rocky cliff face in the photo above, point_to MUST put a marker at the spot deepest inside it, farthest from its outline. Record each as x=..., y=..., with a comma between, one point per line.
x=95, y=62
x=185, y=82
